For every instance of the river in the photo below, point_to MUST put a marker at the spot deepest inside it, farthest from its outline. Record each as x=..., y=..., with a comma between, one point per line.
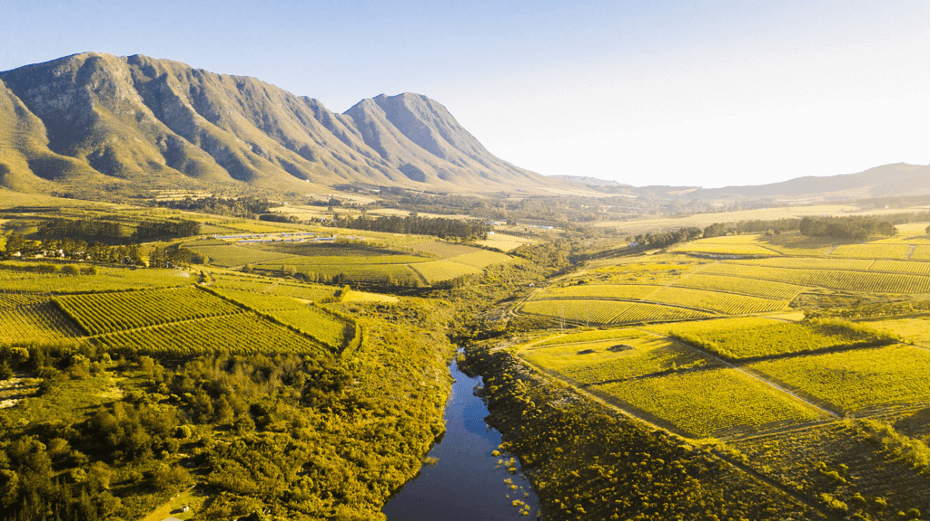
x=467, y=482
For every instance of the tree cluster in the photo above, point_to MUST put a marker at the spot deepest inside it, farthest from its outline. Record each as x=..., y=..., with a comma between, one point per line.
x=664, y=239
x=81, y=229
x=441, y=227
x=846, y=227
x=156, y=230
x=246, y=207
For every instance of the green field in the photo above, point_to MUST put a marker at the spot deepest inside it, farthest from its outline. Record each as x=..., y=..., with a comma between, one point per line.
x=711, y=402
x=720, y=302
x=757, y=337
x=442, y=270
x=735, y=285
x=15, y=279
x=115, y=311
x=872, y=251
x=233, y=255
x=614, y=360
x=36, y=322
x=243, y=333
x=599, y=291
x=861, y=281
x=856, y=380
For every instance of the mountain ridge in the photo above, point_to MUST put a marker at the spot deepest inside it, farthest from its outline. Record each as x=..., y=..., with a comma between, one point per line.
x=137, y=121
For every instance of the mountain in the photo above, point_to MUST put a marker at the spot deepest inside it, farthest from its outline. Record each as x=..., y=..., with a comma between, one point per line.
x=589, y=180
x=898, y=179
x=135, y=123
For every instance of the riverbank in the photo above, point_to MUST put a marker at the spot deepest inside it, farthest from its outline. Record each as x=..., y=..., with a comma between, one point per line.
x=586, y=461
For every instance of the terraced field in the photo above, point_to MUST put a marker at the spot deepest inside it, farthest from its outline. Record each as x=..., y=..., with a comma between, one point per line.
x=857, y=380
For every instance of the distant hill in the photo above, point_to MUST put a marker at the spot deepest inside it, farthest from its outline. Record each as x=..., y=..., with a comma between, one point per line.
x=898, y=179
x=588, y=180
x=131, y=123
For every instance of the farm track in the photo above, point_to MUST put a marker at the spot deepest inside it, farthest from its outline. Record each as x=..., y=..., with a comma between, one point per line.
x=613, y=406
x=418, y=274
x=911, y=249
x=747, y=373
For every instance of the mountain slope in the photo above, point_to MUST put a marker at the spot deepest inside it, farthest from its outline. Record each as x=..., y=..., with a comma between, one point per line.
x=136, y=122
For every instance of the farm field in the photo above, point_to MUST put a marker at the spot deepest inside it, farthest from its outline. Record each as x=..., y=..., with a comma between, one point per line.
x=597, y=291
x=840, y=460
x=873, y=251
x=730, y=402
x=36, y=322
x=719, y=302
x=734, y=285
x=857, y=380
x=504, y=242
x=862, y=281
x=233, y=255
x=244, y=333
x=16, y=279
x=710, y=246
x=114, y=311
x=441, y=270
x=752, y=337
x=912, y=330
x=635, y=355
x=905, y=267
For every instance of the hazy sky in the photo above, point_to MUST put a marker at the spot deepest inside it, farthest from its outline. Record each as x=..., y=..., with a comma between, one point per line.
x=699, y=93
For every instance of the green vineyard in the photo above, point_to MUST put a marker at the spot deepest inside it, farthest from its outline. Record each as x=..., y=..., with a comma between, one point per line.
x=242, y=333
x=736, y=285
x=729, y=402
x=730, y=304
x=856, y=380
x=835, y=279
x=115, y=311
x=36, y=322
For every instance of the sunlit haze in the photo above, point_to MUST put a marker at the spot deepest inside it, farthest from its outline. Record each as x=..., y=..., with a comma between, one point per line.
x=675, y=93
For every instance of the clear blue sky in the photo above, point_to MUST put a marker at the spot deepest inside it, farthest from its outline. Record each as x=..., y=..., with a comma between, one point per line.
x=699, y=93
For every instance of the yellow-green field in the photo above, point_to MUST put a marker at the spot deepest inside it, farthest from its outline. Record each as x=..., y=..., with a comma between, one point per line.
x=856, y=380
x=504, y=242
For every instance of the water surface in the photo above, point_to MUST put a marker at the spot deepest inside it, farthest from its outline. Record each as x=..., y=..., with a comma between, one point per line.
x=467, y=483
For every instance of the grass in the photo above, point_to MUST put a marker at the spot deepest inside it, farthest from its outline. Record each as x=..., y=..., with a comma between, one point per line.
x=756, y=337
x=172, y=508
x=729, y=402
x=70, y=401
x=856, y=380
x=921, y=253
